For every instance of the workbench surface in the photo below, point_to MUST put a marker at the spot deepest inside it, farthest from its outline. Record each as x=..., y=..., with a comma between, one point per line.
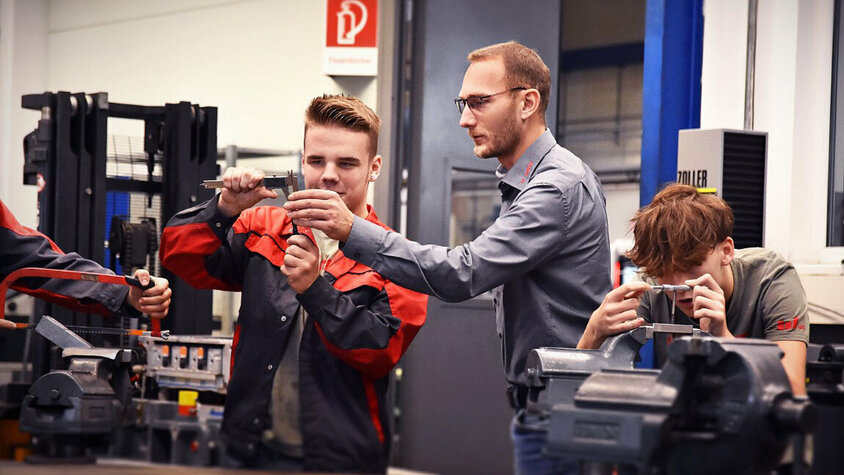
x=116, y=467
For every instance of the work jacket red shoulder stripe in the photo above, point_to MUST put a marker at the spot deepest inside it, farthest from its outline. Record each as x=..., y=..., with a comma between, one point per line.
x=358, y=325
x=8, y=221
x=21, y=246
x=184, y=247
x=408, y=307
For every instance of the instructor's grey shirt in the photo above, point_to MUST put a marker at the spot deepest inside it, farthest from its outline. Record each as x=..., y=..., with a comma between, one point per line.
x=546, y=257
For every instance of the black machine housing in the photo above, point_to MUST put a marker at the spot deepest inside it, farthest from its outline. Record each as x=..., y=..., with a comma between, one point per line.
x=717, y=406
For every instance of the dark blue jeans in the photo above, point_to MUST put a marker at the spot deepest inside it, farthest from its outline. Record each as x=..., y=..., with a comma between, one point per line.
x=528, y=458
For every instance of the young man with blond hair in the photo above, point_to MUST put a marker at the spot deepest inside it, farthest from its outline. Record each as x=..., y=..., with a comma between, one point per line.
x=683, y=237
x=546, y=258
x=318, y=333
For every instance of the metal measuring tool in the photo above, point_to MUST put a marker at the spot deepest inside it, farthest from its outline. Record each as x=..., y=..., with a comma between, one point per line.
x=675, y=289
x=671, y=288
x=285, y=183
x=293, y=186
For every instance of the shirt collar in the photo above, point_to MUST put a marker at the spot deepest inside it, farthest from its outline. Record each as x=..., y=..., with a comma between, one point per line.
x=518, y=176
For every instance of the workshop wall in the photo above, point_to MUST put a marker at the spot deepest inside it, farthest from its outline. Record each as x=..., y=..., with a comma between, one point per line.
x=792, y=104
x=23, y=70
x=258, y=61
x=600, y=103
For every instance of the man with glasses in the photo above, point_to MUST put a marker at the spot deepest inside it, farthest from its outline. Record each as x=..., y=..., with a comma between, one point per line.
x=546, y=258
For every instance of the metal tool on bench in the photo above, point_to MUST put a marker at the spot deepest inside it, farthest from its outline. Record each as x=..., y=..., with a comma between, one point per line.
x=70, y=412
x=554, y=374
x=97, y=407
x=164, y=334
x=717, y=406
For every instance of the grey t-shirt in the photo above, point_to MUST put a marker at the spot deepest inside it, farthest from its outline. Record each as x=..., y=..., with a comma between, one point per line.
x=286, y=433
x=768, y=302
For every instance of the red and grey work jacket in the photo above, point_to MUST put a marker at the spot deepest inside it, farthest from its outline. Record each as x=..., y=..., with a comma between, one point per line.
x=24, y=247
x=359, y=324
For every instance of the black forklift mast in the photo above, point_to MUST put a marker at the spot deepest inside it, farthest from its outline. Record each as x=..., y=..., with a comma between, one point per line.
x=66, y=157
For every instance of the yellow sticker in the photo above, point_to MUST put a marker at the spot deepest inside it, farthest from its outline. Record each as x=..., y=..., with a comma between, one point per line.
x=188, y=398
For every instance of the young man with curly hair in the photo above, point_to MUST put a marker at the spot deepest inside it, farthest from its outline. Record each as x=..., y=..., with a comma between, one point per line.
x=683, y=237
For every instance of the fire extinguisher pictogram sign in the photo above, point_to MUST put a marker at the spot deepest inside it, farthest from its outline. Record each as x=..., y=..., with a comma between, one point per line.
x=351, y=34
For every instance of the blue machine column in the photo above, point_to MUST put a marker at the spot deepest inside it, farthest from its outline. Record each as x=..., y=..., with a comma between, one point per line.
x=670, y=95
x=671, y=87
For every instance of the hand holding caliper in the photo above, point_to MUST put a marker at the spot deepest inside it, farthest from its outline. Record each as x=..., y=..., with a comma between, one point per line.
x=242, y=188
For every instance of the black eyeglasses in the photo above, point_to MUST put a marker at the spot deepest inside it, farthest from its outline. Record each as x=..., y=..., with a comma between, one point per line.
x=476, y=101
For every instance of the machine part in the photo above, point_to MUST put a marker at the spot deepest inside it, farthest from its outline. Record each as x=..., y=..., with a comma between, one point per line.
x=554, y=374
x=717, y=406
x=71, y=412
x=824, y=376
x=189, y=362
x=118, y=355
x=165, y=334
x=734, y=163
x=89, y=411
x=133, y=244
x=158, y=434
x=51, y=329
x=285, y=183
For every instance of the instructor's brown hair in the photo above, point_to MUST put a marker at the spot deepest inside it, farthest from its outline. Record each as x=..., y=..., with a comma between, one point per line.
x=678, y=230
x=522, y=68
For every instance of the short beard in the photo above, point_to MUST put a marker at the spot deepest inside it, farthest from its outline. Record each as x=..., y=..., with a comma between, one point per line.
x=502, y=143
